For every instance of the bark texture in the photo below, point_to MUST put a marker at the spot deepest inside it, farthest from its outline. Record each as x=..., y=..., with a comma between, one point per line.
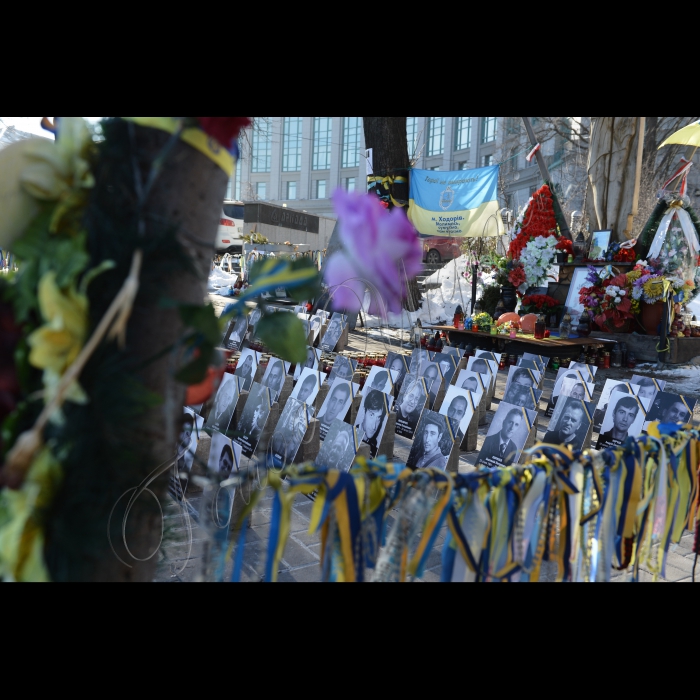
x=612, y=162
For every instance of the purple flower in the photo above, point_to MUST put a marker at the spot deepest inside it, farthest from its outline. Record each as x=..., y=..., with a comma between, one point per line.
x=377, y=246
x=592, y=278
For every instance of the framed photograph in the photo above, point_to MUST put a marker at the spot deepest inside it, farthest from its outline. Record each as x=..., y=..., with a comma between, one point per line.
x=336, y=405
x=340, y=447
x=459, y=408
x=624, y=417
x=600, y=242
x=433, y=442
x=373, y=417
x=410, y=405
x=507, y=436
x=578, y=282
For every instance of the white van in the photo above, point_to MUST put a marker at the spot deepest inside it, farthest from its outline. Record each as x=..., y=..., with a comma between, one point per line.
x=228, y=238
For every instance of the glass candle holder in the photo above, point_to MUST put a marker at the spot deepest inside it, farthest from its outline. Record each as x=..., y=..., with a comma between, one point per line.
x=540, y=328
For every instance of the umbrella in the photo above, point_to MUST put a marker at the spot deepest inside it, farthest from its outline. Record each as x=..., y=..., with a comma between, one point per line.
x=688, y=136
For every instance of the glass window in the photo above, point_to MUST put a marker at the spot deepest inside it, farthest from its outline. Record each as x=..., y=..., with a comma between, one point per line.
x=464, y=165
x=291, y=190
x=486, y=161
x=320, y=189
x=436, y=136
x=237, y=182
x=261, y=158
x=261, y=190
x=350, y=184
x=321, y=159
x=234, y=211
x=351, y=142
x=411, y=127
x=463, y=133
x=488, y=129
x=291, y=144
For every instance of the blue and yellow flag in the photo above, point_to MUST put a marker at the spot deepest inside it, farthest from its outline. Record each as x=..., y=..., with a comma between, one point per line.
x=460, y=204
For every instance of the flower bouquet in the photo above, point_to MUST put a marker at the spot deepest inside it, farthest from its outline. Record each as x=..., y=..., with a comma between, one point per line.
x=540, y=304
x=609, y=298
x=484, y=322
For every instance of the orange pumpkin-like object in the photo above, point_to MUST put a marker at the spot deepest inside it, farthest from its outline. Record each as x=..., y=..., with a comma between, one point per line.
x=508, y=318
x=527, y=323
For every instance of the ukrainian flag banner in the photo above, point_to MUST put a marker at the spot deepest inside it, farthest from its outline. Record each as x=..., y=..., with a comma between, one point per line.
x=457, y=204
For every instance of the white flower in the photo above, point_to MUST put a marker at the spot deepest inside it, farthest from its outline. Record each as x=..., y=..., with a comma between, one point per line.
x=637, y=293
x=623, y=292
x=618, y=300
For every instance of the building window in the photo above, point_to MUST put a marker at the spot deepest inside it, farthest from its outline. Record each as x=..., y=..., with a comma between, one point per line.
x=320, y=189
x=350, y=184
x=486, y=161
x=464, y=165
x=436, y=136
x=435, y=167
x=411, y=127
x=261, y=158
x=291, y=190
x=463, y=133
x=321, y=159
x=237, y=182
x=488, y=129
x=261, y=190
x=351, y=142
x=291, y=144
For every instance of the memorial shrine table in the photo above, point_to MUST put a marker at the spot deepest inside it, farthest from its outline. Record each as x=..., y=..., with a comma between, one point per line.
x=549, y=347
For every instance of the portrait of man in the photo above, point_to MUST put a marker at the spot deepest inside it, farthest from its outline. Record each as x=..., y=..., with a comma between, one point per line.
x=315, y=325
x=397, y=363
x=246, y=368
x=433, y=381
x=479, y=366
x=589, y=371
x=458, y=406
x=372, y=418
x=381, y=380
x=611, y=392
x=253, y=418
x=569, y=383
x=670, y=408
x=192, y=425
x=572, y=427
x=411, y=403
x=339, y=449
x=343, y=368
x=447, y=364
x=507, y=436
x=311, y=362
x=433, y=433
x=622, y=413
x=290, y=432
x=237, y=331
x=307, y=387
x=224, y=457
x=336, y=405
x=418, y=358
x=224, y=404
x=254, y=317
x=521, y=395
x=333, y=333
x=522, y=377
x=274, y=378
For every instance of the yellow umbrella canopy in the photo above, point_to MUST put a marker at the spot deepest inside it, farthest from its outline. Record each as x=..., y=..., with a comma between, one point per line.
x=688, y=136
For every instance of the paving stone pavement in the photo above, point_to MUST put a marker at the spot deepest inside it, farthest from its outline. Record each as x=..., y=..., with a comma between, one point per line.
x=180, y=559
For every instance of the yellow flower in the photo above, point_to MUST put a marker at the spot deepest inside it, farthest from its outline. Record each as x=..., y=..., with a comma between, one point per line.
x=55, y=346
x=634, y=275
x=21, y=524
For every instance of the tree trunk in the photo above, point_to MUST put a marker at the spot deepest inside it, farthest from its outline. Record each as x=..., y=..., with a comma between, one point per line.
x=386, y=136
x=611, y=172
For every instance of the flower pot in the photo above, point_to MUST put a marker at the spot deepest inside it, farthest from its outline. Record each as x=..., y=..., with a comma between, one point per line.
x=510, y=298
x=562, y=258
x=651, y=316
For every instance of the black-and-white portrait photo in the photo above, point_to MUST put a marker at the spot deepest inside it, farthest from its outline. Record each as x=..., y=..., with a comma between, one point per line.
x=315, y=323
x=455, y=352
x=531, y=364
x=474, y=382
x=480, y=367
x=255, y=316
x=525, y=377
x=572, y=384
x=336, y=405
x=313, y=357
x=343, y=368
x=431, y=372
x=289, y=433
x=224, y=404
x=418, y=358
x=540, y=361
x=236, y=332
x=339, y=449
x=192, y=426
x=308, y=386
x=412, y=400
x=523, y=396
x=570, y=424
x=433, y=442
x=588, y=371
x=224, y=456
x=382, y=380
x=490, y=356
x=507, y=436
x=648, y=389
x=246, y=368
x=397, y=363
x=448, y=366
x=624, y=418
x=273, y=378
x=612, y=390
x=333, y=332
x=670, y=408
x=373, y=417
x=459, y=408
x=253, y=419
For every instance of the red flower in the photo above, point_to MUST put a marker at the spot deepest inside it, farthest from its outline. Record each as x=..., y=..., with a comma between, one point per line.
x=517, y=276
x=224, y=129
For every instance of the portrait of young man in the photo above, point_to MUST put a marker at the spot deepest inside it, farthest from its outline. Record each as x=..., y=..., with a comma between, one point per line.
x=253, y=419
x=623, y=412
x=433, y=381
x=274, y=378
x=312, y=357
x=459, y=408
x=246, y=368
x=372, y=418
x=433, y=434
x=192, y=426
x=237, y=331
x=343, y=368
x=507, y=436
x=397, y=363
x=670, y=408
x=611, y=392
x=336, y=405
x=224, y=404
x=411, y=403
x=520, y=395
x=307, y=387
x=572, y=427
x=289, y=433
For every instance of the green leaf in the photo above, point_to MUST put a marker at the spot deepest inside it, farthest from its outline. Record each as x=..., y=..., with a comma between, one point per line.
x=202, y=319
x=196, y=371
x=284, y=334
